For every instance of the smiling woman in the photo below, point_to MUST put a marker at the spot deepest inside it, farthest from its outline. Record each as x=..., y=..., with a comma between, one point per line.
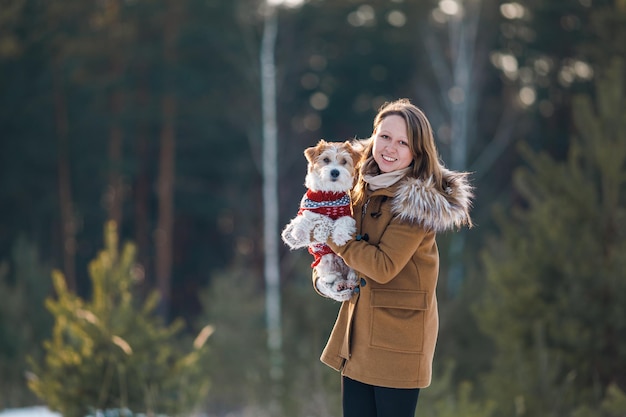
x=391, y=147
x=383, y=341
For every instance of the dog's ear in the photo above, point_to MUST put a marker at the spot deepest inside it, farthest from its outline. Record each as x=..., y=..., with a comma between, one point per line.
x=355, y=151
x=314, y=151
x=311, y=153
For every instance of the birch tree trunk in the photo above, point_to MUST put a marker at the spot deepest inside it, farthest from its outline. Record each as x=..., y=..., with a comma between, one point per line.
x=462, y=101
x=270, y=199
x=459, y=82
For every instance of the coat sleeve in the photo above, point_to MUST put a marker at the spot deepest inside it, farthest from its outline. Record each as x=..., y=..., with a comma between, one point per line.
x=384, y=260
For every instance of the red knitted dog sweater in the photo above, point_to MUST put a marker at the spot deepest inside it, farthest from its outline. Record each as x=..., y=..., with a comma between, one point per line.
x=331, y=204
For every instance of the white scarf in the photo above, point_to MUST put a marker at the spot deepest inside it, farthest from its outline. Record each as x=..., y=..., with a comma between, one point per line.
x=376, y=182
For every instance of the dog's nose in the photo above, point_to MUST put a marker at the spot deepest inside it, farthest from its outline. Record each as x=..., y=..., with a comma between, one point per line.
x=334, y=173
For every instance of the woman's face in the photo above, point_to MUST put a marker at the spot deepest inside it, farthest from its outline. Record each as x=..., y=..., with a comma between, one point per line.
x=391, y=149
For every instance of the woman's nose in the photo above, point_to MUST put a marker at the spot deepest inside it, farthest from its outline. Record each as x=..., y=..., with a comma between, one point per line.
x=391, y=146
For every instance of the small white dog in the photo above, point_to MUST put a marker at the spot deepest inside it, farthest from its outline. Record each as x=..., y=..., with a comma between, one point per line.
x=325, y=212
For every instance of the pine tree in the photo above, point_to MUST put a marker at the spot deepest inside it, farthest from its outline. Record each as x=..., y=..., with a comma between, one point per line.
x=110, y=353
x=555, y=301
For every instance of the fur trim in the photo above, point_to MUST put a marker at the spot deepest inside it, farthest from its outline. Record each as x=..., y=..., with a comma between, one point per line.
x=418, y=201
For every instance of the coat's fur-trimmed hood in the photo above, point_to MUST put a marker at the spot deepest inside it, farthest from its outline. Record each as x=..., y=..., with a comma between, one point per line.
x=419, y=202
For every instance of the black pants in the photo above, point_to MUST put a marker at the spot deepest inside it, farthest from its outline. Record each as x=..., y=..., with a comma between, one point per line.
x=363, y=400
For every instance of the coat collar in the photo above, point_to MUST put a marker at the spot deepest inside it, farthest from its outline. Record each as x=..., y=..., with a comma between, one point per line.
x=418, y=201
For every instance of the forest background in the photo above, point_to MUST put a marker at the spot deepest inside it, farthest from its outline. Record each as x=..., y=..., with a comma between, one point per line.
x=148, y=121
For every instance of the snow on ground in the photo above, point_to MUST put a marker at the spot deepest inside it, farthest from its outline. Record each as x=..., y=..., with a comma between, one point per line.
x=28, y=412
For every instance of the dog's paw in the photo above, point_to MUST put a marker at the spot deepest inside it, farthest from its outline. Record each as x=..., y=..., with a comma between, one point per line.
x=343, y=285
x=343, y=230
x=322, y=227
x=297, y=234
x=288, y=238
x=334, y=290
x=329, y=277
x=352, y=279
x=301, y=234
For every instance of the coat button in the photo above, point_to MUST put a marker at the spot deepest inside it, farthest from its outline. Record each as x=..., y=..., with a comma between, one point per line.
x=363, y=282
x=356, y=290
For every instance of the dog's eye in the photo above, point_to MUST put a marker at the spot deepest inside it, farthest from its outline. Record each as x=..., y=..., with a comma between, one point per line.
x=326, y=160
x=344, y=161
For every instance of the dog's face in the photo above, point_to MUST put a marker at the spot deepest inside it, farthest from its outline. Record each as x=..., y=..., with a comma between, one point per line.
x=330, y=166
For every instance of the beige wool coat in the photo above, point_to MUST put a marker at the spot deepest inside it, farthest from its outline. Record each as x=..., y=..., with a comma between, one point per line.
x=385, y=335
